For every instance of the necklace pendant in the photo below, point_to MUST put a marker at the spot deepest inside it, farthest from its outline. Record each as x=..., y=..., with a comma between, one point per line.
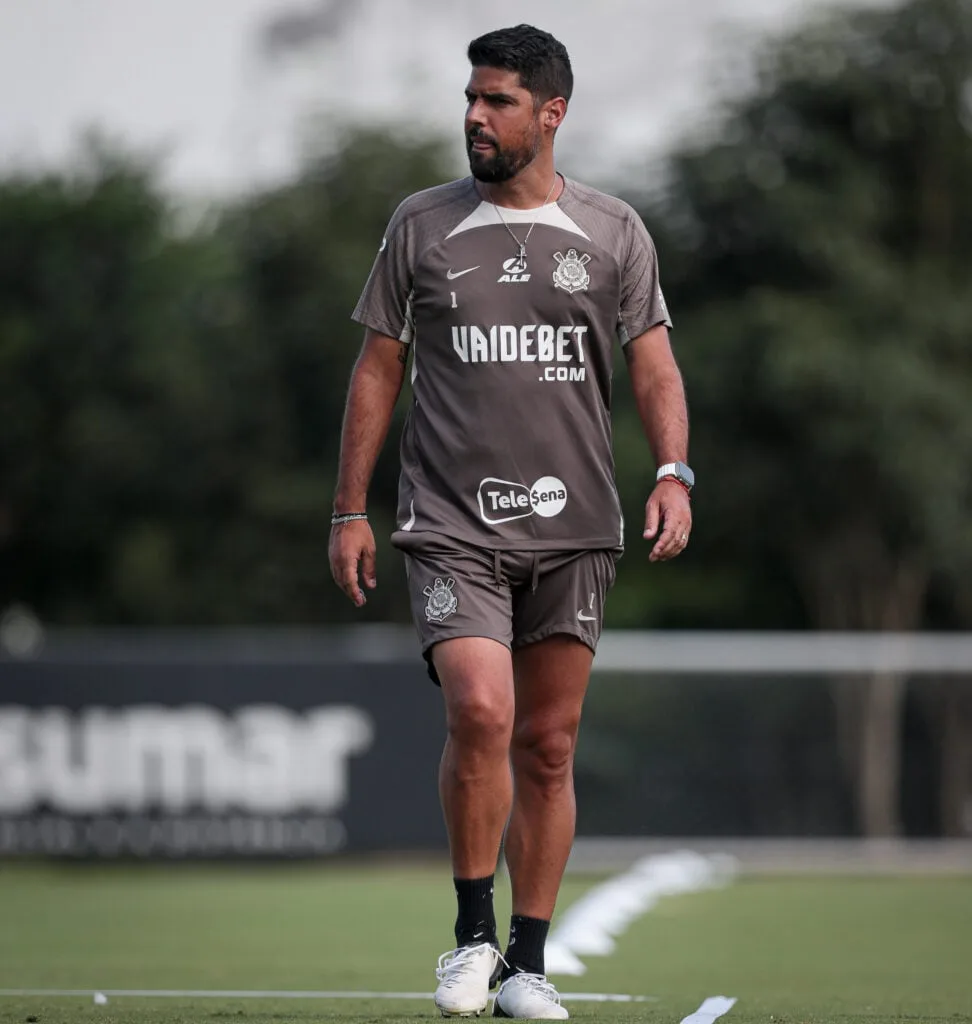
x=521, y=260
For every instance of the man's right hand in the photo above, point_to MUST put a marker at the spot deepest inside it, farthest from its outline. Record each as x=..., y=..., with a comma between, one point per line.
x=351, y=551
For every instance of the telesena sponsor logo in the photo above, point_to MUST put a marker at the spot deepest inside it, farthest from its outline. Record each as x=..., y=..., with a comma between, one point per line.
x=502, y=501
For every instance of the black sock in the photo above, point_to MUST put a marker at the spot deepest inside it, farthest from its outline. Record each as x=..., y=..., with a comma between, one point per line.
x=524, y=953
x=476, y=921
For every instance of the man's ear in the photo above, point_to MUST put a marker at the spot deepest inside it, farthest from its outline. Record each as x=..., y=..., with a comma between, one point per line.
x=554, y=112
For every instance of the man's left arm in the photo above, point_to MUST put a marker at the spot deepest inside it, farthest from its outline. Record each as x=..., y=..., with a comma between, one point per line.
x=660, y=397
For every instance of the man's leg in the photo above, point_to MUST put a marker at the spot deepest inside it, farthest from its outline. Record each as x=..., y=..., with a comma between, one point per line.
x=474, y=775
x=551, y=681
x=475, y=788
x=556, y=625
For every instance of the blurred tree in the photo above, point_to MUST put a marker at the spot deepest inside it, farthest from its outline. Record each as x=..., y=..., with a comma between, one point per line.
x=816, y=252
x=304, y=252
x=171, y=399
x=112, y=408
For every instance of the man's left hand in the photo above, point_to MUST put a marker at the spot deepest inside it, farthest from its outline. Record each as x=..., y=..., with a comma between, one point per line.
x=670, y=512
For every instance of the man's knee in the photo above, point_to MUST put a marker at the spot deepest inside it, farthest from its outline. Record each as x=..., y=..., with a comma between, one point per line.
x=477, y=684
x=543, y=751
x=479, y=718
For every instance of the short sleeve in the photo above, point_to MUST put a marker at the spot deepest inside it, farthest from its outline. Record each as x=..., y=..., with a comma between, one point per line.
x=385, y=302
x=642, y=302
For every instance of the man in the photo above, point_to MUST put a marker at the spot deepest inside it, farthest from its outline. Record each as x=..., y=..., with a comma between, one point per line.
x=509, y=288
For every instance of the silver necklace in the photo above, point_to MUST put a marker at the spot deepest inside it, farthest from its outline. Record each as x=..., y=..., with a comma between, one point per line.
x=521, y=246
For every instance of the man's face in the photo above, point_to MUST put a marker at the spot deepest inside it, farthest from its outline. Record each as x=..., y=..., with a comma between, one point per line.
x=502, y=127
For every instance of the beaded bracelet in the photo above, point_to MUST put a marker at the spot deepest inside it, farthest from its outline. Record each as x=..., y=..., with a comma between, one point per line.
x=347, y=517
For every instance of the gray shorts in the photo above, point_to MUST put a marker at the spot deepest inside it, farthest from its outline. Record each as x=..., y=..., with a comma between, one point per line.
x=514, y=597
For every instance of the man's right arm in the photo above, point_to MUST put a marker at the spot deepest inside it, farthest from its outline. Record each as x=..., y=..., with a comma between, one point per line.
x=376, y=383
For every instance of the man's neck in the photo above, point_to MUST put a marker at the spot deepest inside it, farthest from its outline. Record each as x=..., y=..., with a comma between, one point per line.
x=527, y=190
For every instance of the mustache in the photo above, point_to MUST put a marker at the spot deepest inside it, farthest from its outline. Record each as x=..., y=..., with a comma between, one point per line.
x=480, y=136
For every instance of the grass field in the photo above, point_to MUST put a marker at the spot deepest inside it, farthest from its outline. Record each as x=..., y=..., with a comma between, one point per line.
x=856, y=950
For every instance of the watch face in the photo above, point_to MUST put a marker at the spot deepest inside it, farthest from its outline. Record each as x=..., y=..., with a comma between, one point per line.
x=685, y=473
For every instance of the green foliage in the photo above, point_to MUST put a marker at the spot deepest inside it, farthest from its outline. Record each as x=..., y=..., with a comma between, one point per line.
x=817, y=255
x=111, y=403
x=171, y=402
x=304, y=252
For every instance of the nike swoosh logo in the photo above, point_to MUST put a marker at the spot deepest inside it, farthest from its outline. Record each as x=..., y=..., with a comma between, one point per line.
x=452, y=276
x=581, y=617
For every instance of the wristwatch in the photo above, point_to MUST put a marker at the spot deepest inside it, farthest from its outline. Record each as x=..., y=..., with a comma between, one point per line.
x=682, y=473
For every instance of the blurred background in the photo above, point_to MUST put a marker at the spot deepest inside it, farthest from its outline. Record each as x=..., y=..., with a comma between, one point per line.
x=191, y=196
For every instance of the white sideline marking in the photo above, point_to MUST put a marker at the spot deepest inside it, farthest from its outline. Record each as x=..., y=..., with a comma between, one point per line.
x=714, y=1006
x=577, y=997
x=590, y=926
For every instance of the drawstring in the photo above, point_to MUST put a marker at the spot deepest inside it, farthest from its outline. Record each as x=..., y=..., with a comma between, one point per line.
x=536, y=573
x=497, y=569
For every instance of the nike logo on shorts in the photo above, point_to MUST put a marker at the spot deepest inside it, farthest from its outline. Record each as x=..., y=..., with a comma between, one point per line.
x=582, y=616
x=453, y=275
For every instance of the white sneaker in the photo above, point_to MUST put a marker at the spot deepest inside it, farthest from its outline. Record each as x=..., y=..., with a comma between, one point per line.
x=464, y=978
x=528, y=997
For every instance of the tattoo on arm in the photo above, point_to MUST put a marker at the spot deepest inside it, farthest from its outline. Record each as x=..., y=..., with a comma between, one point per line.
x=403, y=354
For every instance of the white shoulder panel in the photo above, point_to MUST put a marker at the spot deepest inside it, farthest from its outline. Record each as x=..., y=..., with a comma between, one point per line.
x=486, y=215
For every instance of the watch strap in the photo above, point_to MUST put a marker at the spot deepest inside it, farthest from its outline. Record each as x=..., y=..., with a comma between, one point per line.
x=677, y=471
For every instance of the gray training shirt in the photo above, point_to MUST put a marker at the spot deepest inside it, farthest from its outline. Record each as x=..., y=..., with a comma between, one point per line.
x=508, y=439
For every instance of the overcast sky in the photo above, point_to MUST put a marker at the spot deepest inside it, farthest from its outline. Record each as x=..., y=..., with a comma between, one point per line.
x=189, y=76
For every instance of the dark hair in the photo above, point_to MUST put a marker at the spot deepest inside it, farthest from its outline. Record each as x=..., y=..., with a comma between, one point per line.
x=540, y=60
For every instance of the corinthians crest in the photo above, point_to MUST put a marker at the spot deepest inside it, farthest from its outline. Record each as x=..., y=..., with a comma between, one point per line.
x=571, y=273
x=441, y=601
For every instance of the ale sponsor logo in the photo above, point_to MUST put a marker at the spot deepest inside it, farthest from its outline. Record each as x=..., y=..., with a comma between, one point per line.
x=514, y=271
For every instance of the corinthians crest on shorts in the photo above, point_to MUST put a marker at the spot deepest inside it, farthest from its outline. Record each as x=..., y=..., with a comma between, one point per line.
x=441, y=601
x=571, y=273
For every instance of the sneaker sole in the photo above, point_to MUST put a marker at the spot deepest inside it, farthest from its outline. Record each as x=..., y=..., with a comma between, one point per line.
x=461, y=1013
x=499, y=1012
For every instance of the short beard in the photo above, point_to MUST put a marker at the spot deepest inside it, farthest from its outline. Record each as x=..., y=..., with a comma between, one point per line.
x=501, y=165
